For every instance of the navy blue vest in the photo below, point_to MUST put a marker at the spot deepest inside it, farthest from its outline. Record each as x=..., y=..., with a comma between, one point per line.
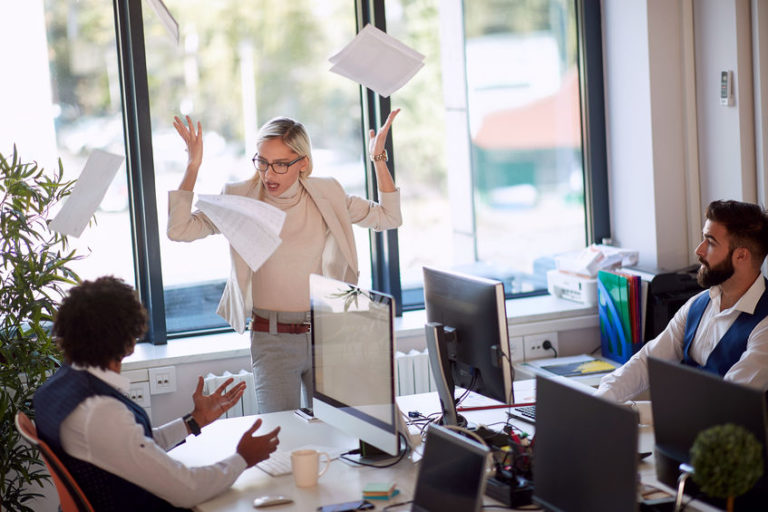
x=53, y=402
x=733, y=343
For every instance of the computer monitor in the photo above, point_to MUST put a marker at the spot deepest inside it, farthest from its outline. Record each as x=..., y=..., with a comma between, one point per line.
x=467, y=337
x=585, y=450
x=685, y=401
x=452, y=473
x=353, y=357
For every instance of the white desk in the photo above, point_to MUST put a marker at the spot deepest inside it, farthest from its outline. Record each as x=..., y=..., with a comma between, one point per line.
x=343, y=481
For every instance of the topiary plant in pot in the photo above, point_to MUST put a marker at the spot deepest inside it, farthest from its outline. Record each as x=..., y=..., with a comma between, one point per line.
x=34, y=274
x=727, y=461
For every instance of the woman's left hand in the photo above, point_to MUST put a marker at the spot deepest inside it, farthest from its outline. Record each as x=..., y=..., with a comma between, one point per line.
x=209, y=407
x=377, y=140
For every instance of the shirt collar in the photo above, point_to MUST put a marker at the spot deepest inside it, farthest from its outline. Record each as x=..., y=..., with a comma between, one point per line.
x=123, y=384
x=747, y=302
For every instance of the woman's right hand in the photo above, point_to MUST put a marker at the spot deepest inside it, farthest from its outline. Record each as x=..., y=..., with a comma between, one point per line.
x=193, y=138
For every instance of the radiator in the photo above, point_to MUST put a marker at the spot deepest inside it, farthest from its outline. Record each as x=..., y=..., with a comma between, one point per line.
x=413, y=373
x=246, y=406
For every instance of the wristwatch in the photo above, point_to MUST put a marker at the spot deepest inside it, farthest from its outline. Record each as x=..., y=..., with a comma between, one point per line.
x=380, y=157
x=192, y=424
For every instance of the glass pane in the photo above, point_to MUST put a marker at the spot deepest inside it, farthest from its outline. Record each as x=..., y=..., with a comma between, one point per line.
x=517, y=198
x=65, y=102
x=238, y=64
x=524, y=121
x=418, y=138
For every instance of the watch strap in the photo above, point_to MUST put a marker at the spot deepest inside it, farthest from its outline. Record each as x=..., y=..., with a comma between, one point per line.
x=192, y=424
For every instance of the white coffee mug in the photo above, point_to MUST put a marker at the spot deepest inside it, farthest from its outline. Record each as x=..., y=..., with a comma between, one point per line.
x=306, y=464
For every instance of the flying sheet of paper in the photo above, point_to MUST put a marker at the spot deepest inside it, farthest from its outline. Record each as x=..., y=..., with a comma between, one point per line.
x=378, y=61
x=87, y=194
x=250, y=225
x=166, y=18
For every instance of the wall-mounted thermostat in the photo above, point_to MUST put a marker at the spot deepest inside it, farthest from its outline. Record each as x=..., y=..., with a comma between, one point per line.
x=726, y=88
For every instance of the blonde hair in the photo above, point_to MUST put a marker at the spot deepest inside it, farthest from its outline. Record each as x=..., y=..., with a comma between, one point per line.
x=293, y=134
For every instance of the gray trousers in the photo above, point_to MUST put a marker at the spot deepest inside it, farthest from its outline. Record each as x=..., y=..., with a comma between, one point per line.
x=282, y=364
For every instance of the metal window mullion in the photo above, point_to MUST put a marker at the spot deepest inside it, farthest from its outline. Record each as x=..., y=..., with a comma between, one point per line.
x=137, y=127
x=385, y=259
x=597, y=207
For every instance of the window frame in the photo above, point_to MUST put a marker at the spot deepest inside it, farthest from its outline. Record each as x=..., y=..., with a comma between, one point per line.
x=385, y=271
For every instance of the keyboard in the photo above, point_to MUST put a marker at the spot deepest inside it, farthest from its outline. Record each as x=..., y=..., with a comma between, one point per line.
x=523, y=412
x=278, y=464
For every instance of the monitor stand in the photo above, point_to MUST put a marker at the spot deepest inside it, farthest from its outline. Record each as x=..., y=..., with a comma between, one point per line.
x=442, y=370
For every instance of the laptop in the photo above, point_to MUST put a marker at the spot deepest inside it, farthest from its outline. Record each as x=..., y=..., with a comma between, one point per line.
x=685, y=401
x=452, y=475
x=585, y=451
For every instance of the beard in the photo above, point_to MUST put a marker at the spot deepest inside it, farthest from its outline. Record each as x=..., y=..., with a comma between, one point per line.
x=709, y=276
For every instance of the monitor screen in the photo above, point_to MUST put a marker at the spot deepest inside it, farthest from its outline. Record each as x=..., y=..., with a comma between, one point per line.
x=452, y=473
x=473, y=315
x=585, y=450
x=353, y=358
x=685, y=401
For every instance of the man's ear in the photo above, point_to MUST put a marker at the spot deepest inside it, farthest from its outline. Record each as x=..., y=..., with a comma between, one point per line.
x=742, y=255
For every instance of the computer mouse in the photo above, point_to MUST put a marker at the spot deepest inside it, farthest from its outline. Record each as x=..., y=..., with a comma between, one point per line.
x=270, y=501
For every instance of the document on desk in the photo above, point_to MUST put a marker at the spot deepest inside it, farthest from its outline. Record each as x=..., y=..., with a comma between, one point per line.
x=251, y=226
x=378, y=61
x=87, y=194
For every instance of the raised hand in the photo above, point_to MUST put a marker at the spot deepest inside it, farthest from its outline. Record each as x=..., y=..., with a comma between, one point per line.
x=209, y=407
x=193, y=138
x=376, y=141
x=255, y=449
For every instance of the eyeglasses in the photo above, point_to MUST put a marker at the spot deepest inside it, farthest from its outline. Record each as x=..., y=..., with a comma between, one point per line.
x=262, y=165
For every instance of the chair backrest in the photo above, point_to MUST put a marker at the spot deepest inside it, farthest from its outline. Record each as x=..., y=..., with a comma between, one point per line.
x=71, y=497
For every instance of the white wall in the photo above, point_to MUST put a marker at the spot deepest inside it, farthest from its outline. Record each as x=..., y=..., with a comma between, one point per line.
x=726, y=133
x=658, y=106
x=645, y=138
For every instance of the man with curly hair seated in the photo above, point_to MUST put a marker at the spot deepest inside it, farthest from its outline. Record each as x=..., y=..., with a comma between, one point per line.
x=105, y=439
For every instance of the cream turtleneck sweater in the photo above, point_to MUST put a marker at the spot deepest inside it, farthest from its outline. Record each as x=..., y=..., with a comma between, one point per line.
x=282, y=283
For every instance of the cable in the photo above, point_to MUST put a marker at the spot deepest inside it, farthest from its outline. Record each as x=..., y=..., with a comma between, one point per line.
x=398, y=504
x=547, y=345
x=343, y=456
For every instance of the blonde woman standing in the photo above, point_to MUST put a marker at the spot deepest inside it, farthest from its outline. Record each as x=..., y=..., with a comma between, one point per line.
x=316, y=238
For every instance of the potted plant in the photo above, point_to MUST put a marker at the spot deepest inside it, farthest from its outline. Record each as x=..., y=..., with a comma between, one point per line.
x=727, y=461
x=34, y=274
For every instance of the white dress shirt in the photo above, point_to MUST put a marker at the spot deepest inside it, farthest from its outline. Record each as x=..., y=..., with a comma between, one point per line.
x=751, y=369
x=104, y=432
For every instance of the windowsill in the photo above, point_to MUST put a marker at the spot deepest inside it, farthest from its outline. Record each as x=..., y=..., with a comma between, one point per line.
x=524, y=315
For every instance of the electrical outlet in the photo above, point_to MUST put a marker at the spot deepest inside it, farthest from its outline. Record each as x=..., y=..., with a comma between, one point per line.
x=534, y=346
x=516, y=351
x=139, y=393
x=162, y=380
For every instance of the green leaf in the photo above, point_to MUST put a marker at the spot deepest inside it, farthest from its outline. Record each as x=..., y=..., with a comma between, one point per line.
x=34, y=267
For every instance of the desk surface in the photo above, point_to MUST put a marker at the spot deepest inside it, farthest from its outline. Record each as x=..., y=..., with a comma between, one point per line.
x=343, y=481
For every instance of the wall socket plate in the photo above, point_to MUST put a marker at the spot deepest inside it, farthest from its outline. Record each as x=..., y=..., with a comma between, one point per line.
x=516, y=351
x=533, y=346
x=139, y=393
x=162, y=380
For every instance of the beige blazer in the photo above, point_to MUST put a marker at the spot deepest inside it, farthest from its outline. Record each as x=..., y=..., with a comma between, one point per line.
x=339, y=211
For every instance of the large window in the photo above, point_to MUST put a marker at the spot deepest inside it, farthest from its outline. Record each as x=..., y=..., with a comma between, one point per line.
x=488, y=152
x=239, y=64
x=490, y=164
x=61, y=100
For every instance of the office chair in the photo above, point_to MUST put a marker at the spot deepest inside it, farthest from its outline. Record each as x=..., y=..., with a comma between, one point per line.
x=71, y=497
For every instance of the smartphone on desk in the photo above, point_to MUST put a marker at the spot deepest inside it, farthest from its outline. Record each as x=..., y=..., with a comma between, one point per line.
x=305, y=414
x=348, y=506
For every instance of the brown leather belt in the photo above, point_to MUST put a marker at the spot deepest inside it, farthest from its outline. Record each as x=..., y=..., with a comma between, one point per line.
x=262, y=325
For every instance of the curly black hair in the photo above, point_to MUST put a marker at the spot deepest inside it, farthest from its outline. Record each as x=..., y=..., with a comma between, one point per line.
x=99, y=322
